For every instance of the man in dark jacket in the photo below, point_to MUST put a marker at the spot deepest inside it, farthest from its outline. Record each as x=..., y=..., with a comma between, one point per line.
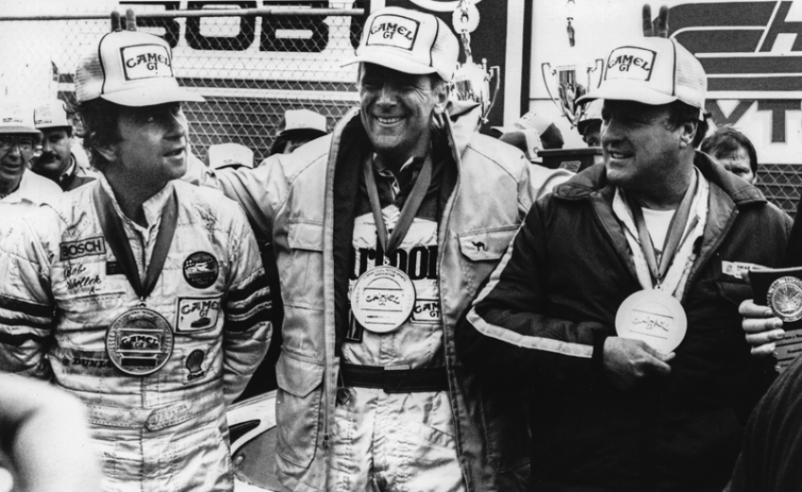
x=57, y=161
x=617, y=301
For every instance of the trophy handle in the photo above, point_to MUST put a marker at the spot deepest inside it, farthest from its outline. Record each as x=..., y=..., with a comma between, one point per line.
x=562, y=107
x=492, y=72
x=597, y=63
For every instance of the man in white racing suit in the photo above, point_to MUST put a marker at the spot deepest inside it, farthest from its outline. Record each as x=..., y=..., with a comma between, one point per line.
x=142, y=295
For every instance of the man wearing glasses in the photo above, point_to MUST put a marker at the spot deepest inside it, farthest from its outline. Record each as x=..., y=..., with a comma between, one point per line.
x=18, y=137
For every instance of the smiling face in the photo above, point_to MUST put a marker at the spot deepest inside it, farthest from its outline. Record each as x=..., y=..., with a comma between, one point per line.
x=397, y=111
x=153, y=145
x=641, y=151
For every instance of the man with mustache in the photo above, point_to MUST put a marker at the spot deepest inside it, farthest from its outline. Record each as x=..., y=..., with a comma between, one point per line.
x=57, y=162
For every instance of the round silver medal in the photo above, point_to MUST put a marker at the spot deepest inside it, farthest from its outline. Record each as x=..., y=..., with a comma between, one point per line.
x=139, y=341
x=382, y=299
x=654, y=317
x=785, y=298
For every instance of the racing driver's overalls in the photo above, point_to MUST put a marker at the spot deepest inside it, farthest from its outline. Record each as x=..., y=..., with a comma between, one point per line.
x=64, y=293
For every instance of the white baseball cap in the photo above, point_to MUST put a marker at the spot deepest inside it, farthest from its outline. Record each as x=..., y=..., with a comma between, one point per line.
x=130, y=68
x=51, y=114
x=408, y=41
x=652, y=71
x=303, y=119
x=16, y=118
x=230, y=154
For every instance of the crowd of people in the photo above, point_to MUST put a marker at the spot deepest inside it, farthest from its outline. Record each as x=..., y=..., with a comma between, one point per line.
x=439, y=312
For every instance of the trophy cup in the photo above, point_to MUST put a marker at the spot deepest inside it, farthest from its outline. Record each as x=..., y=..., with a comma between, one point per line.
x=471, y=80
x=568, y=88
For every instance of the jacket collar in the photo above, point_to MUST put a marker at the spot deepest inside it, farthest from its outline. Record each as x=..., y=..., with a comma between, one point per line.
x=594, y=179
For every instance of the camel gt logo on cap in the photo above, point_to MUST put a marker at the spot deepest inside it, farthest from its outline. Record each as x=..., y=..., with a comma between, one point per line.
x=392, y=30
x=146, y=61
x=630, y=63
x=201, y=270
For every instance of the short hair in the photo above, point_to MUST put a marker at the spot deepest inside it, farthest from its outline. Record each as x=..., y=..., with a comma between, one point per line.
x=681, y=113
x=727, y=139
x=100, y=128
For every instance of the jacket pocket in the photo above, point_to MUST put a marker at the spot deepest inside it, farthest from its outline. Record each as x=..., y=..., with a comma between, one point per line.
x=306, y=236
x=298, y=408
x=301, y=270
x=486, y=244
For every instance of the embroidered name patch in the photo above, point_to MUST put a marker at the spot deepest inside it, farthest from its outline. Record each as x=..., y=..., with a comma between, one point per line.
x=84, y=247
x=393, y=30
x=195, y=314
x=146, y=61
x=630, y=63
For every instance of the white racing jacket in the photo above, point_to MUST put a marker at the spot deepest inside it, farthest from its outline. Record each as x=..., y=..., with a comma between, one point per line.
x=62, y=288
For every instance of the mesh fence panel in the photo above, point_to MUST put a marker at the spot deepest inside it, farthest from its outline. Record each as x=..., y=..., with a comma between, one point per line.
x=250, y=69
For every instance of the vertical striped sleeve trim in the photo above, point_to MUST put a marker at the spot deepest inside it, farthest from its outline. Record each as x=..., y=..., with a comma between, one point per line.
x=530, y=342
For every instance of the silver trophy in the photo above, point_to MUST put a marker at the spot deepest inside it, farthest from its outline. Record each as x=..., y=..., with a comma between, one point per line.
x=472, y=81
x=568, y=87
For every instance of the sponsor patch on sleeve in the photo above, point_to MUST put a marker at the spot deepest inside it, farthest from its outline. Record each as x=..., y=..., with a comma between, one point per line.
x=84, y=247
x=196, y=314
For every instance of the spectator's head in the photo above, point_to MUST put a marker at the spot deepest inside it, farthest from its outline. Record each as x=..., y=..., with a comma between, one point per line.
x=406, y=60
x=298, y=127
x=18, y=138
x=733, y=150
x=130, y=105
x=531, y=133
x=231, y=154
x=589, y=126
x=52, y=119
x=652, y=116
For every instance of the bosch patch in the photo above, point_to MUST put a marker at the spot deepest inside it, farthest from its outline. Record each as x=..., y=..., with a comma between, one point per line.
x=201, y=270
x=84, y=247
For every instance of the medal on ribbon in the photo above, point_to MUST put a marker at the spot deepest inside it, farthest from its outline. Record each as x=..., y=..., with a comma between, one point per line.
x=383, y=298
x=139, y=341
x=654, y=315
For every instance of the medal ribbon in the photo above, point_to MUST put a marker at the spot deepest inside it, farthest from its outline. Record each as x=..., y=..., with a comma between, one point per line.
x=118, y=241
x=676, y=228
x=411, y=206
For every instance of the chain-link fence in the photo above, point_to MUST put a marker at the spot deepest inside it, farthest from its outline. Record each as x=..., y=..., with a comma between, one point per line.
x=251, y=64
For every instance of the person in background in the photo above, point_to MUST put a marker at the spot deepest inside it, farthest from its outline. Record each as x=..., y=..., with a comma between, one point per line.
x=733, y=150
x=608, y=269
x=56, y=161
x=44, y=434
x=231, y=155
x=139, y=293
x=531, y=133
x=18, y=139
x=298, y=127
x=589, y=126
